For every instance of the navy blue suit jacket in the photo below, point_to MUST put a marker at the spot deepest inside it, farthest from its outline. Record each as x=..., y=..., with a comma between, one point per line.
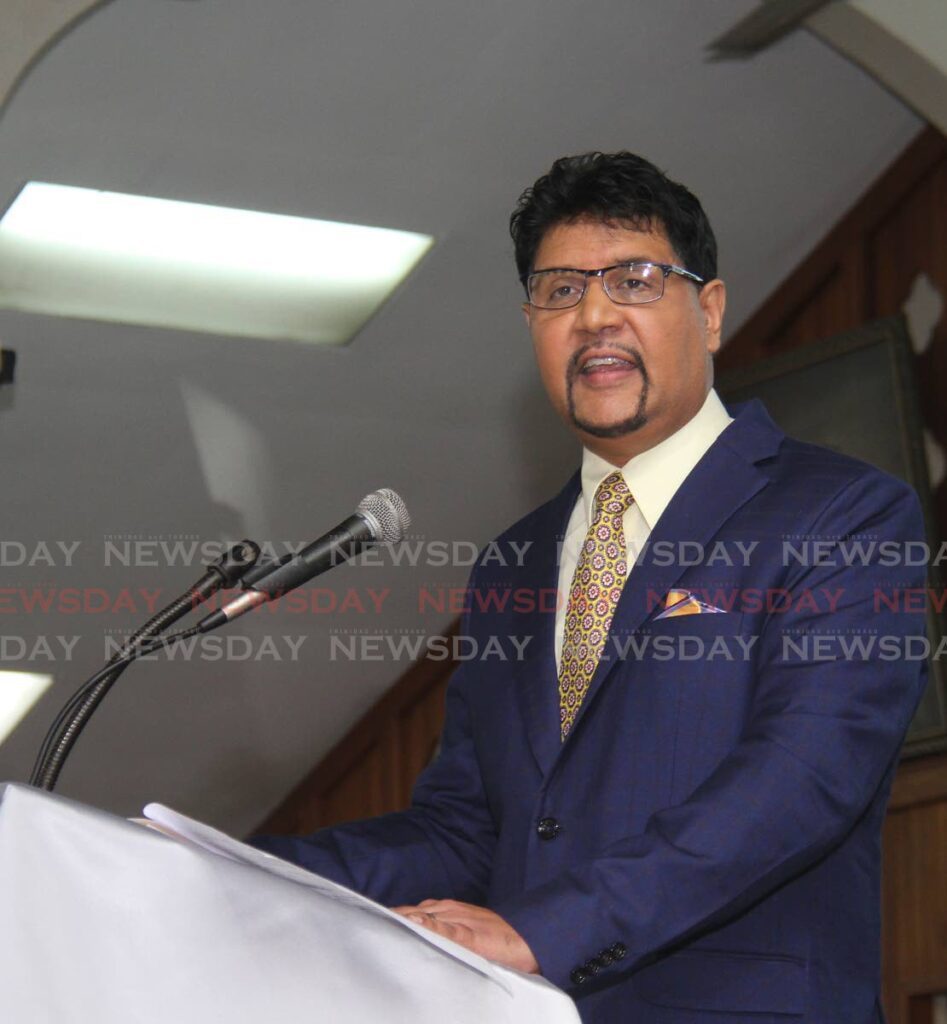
x=704, y=847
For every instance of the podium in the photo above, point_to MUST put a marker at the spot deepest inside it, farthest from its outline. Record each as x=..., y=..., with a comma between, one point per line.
x=107, y=922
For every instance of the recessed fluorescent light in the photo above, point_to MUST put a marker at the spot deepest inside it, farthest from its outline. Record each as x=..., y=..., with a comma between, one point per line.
x=19, y=691
x=132, y=259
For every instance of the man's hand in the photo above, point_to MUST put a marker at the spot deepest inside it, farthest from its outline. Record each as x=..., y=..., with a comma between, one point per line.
x=476, y=928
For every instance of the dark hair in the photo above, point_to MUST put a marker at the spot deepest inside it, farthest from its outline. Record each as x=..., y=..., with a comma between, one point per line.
x=614, y=187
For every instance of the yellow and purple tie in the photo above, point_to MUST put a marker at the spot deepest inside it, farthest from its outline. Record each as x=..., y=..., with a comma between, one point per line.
x=596, y=587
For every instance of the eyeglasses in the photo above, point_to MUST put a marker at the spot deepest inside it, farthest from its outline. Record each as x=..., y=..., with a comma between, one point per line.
x=628, y=284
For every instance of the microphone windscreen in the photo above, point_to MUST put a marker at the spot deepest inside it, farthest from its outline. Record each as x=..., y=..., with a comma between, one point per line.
x=387, y=513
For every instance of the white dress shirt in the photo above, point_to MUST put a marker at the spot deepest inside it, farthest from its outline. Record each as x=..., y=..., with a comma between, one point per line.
x=653, y=478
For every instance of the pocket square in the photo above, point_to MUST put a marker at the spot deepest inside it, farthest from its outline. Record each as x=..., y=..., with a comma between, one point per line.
x=683, y=602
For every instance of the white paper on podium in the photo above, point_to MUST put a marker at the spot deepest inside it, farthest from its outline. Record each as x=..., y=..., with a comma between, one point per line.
x=108, y=922
x=212, y=839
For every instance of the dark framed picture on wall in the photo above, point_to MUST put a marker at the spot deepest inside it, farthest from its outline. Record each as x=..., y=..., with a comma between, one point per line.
x=856, y=393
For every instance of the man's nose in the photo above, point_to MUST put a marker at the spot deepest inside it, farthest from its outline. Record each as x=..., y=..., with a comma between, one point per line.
x=596, y=311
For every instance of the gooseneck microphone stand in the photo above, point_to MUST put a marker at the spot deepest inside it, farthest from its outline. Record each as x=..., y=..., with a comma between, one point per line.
x=228, y=570
x=380, y=517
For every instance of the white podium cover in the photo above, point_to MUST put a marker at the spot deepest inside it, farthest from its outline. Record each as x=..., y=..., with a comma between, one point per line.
x=107, y=922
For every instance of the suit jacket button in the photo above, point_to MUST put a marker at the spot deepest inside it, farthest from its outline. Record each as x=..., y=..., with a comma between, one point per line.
x=606, y=957
x=579, y=975
x=618, y=950
x=548, y=828
x=594, y=965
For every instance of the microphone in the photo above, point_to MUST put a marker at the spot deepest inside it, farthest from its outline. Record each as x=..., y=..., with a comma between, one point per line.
x=381, y=517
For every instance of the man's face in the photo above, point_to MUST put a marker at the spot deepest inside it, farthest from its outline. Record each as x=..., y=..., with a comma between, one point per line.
x=624, y=377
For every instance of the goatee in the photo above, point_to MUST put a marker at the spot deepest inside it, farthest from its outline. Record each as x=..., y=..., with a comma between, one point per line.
x=628, y=425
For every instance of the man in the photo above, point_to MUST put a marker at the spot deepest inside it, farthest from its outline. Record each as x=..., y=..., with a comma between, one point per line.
x=671, y=805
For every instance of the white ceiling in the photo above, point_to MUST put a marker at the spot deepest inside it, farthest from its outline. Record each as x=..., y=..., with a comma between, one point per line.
x=416, y=114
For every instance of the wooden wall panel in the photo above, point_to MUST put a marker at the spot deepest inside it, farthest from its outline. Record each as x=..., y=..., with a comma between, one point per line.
x=864, y=269
x=834, y=280
x=910, y=241
x=419, y=733
x=824, y=309
x=914, y=891
x=366, y=789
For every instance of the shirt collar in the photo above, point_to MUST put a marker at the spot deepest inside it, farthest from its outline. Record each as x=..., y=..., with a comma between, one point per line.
x=654, y=476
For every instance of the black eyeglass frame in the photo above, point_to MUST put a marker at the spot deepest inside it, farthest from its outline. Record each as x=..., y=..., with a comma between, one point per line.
x=666, y=269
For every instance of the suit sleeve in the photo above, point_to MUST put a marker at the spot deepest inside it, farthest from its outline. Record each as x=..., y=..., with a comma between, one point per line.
x=441, y=847
x=817, y=744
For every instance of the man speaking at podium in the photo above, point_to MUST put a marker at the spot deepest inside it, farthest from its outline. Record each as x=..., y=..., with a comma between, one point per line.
x=670, y=806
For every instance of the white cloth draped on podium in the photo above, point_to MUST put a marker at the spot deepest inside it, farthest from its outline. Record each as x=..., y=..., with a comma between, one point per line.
x=108, y=922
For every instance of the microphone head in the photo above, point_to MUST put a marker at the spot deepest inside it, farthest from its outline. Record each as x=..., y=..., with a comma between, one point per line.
x=386, y=514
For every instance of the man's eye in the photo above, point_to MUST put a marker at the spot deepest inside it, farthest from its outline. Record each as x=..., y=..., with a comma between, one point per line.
x=566, y=288
x=633, y=283
x=561, y=289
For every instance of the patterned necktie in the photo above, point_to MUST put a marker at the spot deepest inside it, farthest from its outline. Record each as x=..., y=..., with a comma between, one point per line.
x=596, y=587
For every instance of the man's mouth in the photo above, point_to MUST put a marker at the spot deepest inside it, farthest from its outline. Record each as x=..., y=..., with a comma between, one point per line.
x=607, y=366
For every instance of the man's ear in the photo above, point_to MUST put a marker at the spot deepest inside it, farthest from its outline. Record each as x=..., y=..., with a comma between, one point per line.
x=713, y=302
x=526, y=308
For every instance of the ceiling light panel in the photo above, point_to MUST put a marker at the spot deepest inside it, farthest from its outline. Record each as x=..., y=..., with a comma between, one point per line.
x=19, y=691
x=79, y=252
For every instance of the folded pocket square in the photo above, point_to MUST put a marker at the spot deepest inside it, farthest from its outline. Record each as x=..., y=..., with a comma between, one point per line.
x=683, y=602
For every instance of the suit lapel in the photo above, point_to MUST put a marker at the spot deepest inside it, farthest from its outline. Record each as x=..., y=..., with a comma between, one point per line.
x=724, y=480
x=536, y=676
